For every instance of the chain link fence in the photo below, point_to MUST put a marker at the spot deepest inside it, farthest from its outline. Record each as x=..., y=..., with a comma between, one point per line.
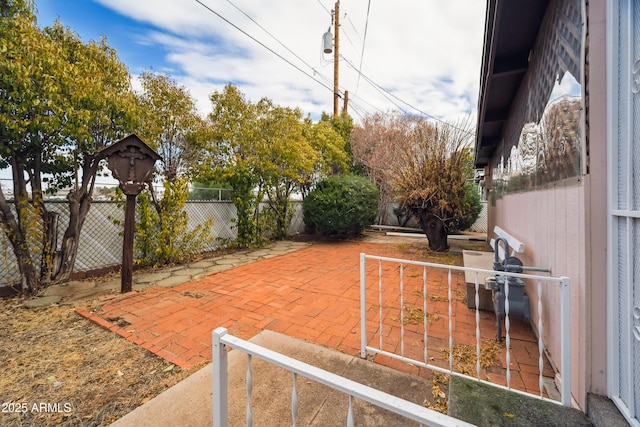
x=481, y=224
x=100, y=244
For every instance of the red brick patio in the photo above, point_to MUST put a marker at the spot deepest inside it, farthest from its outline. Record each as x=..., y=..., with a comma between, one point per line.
x=312, y=294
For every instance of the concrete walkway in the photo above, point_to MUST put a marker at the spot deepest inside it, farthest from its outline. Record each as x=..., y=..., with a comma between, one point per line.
x=190, y=401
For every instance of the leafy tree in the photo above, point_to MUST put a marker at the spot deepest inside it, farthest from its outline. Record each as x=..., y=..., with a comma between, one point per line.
x=472, y=206
x=285, y=159
x=61, y=101
x=332, y=156
x=170, y=124
x=163, y=235
x=430, y=177
x=343, y=125
x=267, y=150
x=426, y=166
x=235, y=128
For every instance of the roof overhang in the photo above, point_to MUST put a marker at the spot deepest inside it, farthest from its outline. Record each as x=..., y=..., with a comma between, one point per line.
x=511, y=30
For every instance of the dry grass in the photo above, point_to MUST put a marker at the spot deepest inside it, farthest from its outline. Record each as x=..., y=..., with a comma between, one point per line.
x=59, y=369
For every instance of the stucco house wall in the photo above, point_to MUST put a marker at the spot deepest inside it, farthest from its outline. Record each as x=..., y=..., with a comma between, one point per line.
x=562, y=222
x=551, y=225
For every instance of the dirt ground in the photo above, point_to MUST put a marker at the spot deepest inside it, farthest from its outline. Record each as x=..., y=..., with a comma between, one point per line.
x=59, y=369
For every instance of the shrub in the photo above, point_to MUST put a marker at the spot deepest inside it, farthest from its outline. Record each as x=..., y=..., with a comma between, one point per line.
x=341, y=206
x=468, y=210
x=162, y=234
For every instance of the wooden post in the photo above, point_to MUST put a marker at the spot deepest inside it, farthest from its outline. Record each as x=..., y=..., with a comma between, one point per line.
x=132, y=163
x=127, y=244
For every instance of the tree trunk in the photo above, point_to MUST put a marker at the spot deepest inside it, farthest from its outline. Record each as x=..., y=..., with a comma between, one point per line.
x=79, y=204
x=26, y=266
x=50, y=257
x=436, y=232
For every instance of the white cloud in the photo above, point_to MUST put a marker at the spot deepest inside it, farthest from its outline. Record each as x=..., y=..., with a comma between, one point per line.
x=427, y=52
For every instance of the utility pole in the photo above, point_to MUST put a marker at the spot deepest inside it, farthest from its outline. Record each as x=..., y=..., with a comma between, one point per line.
x=336, y=58
x=346, y=101
x=326, y=38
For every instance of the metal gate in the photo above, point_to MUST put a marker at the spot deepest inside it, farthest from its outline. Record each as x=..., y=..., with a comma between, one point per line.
x=623, y=22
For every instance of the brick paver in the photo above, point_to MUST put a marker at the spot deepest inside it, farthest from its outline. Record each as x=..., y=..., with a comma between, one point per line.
x=313, y=294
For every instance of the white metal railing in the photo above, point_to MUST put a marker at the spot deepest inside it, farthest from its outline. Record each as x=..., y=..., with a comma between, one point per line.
x=565, y=319
x=222, y=340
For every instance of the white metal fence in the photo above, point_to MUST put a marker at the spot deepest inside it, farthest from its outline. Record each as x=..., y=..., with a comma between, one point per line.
x=405, y=289
x=222, y=340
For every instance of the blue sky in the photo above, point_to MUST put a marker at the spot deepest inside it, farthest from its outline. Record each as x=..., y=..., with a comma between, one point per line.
x=91, y=20
x=421, y=56
x=417, y=56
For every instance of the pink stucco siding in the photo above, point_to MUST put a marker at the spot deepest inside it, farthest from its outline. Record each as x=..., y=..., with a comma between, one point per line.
x=551, y=224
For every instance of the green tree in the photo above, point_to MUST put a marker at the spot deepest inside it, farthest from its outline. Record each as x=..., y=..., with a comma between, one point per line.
x=343, y=125
x=285, y=159
x=170, y=123
x=162, y=234
x=332, y=157
x=235, y=126
x=61, y=101
x=269, y=150
x=341, y=206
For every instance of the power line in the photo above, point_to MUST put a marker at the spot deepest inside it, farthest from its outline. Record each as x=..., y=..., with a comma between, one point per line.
x=315, y=72
x=353, y=26
x=323, y=6
x=263, y=45
x=376, y=86
x=366, y=26
x=384, y=92
x=381, y=90
x=270, y=35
